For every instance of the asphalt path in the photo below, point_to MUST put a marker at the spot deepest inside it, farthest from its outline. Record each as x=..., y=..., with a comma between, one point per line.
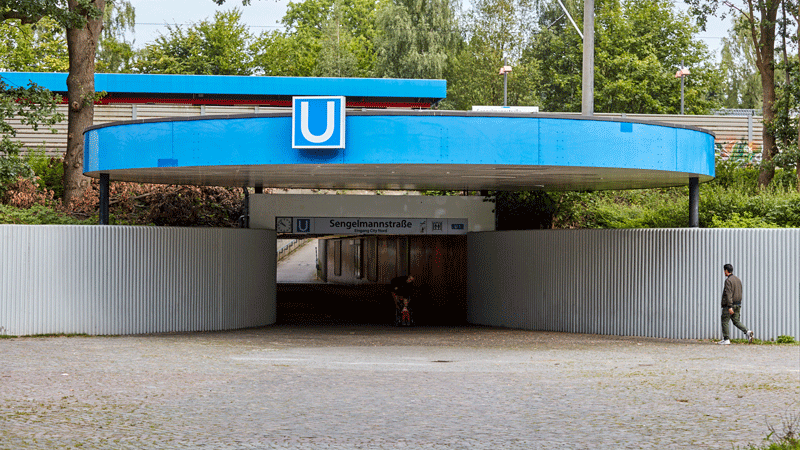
x=300, y=266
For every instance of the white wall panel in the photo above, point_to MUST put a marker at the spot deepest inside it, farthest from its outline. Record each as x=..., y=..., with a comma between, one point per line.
x=658, y=283
x=130, y=280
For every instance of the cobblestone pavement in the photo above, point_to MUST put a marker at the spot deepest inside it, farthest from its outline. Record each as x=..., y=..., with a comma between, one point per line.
x=366, y=387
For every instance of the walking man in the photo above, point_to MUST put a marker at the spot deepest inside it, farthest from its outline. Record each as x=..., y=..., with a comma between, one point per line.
x=732, y=306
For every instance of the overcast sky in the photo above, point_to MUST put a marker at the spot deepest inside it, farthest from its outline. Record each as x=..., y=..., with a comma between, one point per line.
x=153, y=15
x=261, y=15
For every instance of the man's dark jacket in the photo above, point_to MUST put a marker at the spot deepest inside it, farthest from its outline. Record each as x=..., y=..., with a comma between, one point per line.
x=732, y=293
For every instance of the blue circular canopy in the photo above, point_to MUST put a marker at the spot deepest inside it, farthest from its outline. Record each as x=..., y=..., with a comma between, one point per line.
x=405, y=150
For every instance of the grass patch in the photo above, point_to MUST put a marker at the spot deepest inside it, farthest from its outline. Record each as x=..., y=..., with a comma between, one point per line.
x=781, y=340
x=45, y=335
x=52, y=335
x=786, y=439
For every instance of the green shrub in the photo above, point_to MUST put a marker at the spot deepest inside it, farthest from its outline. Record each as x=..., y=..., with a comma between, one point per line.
x=785, y=180
x=38, y=215
x=737, y=221
x=783, y=339
x=786, y=211
x=50, y=171
x=13, y=167
x=650, y=208
x=731, y=174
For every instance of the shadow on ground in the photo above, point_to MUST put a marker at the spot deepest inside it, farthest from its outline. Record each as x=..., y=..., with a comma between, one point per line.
x=335, y=304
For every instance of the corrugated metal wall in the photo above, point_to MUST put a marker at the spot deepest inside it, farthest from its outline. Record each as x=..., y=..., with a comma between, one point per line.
x=657, y=283
x=726, y=128
x=56, y=144
x=129, y=280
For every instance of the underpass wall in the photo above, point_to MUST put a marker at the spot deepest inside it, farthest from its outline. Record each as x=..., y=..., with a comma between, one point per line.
x=130, y=280
x=664, y=283
x=438, y=264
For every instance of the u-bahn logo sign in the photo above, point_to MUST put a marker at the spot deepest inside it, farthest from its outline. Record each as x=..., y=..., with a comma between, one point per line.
x=318, y=122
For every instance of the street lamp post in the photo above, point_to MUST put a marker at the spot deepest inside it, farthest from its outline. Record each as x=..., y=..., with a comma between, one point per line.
x=682, y=73
x=504, y=72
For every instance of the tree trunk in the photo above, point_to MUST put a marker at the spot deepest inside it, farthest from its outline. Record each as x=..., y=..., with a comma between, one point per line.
x=82, y=47
x=764, y=40
x=798, y=172
x=768, y=149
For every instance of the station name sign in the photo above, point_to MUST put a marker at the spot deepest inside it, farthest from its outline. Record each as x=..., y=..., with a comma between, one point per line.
x=344, y=226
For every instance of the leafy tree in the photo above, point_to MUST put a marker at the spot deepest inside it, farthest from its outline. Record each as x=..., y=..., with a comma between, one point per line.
x=785, y=124
x=761, y=18
x=342, y=54
x=416, y=38
x=220, y=47
x=115, y=53
x=741, y=81
x=39, y=47
x=496, y=33
x=33, y=106
x=638, y=46
x=277, y=53
x=83, y=20
x=297, y=50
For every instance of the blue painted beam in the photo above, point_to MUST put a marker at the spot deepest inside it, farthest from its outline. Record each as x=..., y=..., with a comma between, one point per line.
x=415, y=150
x=191, y=85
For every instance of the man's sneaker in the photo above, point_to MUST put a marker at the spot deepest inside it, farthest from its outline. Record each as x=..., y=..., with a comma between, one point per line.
x=724, y=342
x=750, y=336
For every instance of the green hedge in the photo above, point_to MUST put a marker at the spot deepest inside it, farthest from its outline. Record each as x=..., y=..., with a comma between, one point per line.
x=732, y=200
x=39, y=215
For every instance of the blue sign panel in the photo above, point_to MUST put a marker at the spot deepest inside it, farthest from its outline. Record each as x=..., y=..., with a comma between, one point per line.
x=318, y=122
x=303, y=225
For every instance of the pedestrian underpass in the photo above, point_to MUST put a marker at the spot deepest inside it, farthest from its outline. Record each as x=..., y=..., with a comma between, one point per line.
x=343, y=281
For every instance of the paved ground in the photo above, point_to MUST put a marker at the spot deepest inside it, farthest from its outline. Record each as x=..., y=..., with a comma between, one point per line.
x=348, y=387
x=300, y=266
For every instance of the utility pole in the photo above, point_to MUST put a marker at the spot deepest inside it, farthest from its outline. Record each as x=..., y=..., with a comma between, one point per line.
x=587, y=100
x=505, y=85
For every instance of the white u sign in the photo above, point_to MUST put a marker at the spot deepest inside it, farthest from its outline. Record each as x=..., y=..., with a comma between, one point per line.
x=318, y=122
x=329, y=124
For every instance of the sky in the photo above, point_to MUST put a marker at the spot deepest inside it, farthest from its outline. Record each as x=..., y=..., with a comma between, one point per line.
x=261, y=15
x=153, y=15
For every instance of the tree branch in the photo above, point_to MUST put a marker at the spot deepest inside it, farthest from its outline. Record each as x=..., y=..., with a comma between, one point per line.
x=24, y=18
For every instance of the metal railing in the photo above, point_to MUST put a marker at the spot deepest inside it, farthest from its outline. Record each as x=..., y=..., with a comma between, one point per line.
x=736, y=112
x=287, y=248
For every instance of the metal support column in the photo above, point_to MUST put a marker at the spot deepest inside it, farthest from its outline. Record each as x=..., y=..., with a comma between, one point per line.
x=245, y=219
x=104, y=198
x=694, y=202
